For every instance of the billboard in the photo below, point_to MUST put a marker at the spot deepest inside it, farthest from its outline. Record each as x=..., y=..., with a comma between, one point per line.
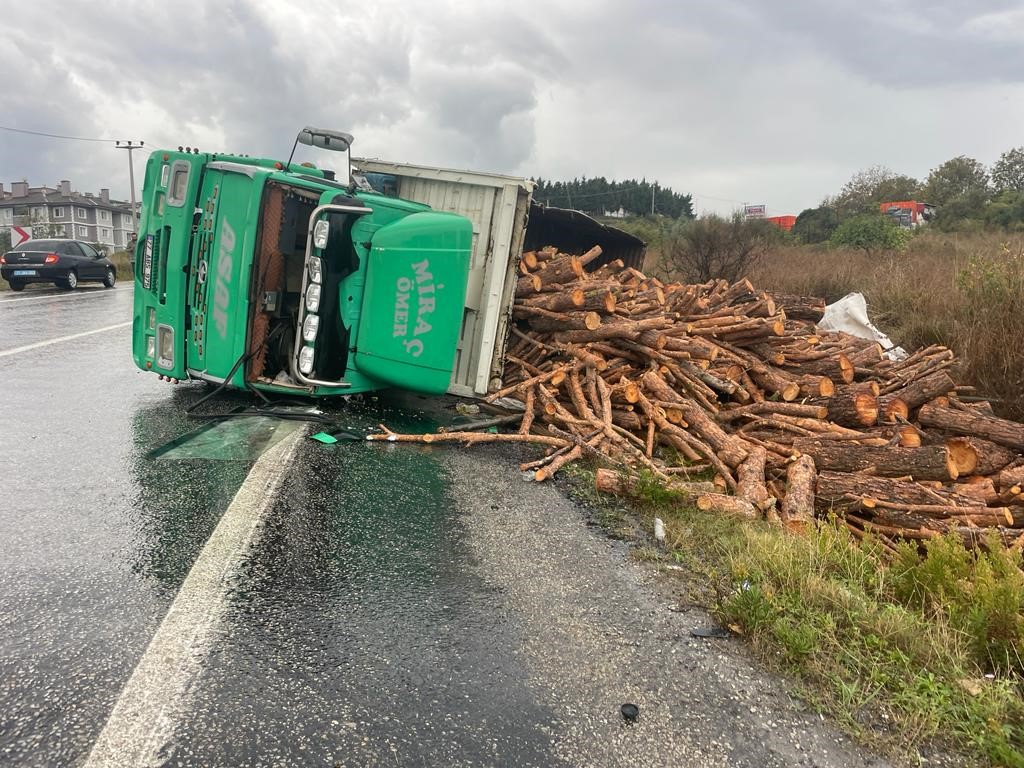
x=753, y=211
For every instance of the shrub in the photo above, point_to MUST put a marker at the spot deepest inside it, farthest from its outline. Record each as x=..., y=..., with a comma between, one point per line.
x=870, y=233
x=715, y=247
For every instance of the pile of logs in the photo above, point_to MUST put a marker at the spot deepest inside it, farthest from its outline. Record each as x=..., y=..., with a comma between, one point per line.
x=727, y=382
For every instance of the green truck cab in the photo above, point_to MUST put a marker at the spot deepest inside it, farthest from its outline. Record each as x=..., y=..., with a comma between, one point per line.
x=273, y=276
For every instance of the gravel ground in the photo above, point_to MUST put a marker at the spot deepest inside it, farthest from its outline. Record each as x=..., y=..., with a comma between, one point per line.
x=598, y=633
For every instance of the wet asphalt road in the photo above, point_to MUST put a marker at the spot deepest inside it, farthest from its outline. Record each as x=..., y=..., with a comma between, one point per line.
x=402, y=605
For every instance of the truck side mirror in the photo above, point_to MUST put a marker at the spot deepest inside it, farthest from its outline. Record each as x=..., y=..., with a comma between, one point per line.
x=325, y=139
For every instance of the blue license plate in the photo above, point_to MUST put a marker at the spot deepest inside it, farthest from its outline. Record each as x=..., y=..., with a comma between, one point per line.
x=24, y=273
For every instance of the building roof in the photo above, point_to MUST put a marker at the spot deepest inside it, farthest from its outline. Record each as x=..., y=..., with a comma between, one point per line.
x=51, y=196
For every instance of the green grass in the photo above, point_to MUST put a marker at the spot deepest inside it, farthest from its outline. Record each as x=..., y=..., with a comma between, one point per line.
x=918, y=651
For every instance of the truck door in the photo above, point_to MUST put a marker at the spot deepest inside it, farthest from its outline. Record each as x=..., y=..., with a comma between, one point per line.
x=221, y=255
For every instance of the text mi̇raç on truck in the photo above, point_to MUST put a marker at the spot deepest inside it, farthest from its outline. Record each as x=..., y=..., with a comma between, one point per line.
x=271, y=276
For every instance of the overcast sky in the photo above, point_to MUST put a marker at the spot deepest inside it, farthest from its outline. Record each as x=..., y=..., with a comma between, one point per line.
x=747, y=101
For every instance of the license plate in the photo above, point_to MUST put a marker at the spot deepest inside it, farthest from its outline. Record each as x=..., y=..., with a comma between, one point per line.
x=24, y=273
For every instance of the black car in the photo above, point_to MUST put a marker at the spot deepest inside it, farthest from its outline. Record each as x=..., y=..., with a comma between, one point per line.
x=65, y=263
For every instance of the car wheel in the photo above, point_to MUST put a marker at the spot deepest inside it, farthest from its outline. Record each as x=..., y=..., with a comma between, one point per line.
x=71, y=281
x=16, y=286
x=109, y=280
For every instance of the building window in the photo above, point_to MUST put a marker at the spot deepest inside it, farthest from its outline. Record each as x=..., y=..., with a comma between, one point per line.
x=38, y=213
x=83, y=231
x=104, y=215
x=105, y=235
x=80, y=212
x=58, y=212
x=127, y=219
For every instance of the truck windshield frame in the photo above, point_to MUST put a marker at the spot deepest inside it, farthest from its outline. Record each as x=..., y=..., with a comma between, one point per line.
x=300, y=343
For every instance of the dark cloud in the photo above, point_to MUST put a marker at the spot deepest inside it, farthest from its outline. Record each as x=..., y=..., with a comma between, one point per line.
x=730, y=100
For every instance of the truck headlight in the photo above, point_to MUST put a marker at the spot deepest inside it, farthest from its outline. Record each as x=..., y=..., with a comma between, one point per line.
x=165, y=346
x=310, y=326
x=306, y=360
x=320, y=232
x=315, y=267
x=312, y=297
x=150, y=346
x=151, y=318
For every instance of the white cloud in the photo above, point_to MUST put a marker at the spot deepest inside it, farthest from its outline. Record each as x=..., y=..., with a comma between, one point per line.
x=734, y=101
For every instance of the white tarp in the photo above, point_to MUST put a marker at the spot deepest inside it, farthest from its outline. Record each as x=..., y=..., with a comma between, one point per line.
x=850, y=315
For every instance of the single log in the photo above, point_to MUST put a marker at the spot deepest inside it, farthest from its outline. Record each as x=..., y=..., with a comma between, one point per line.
x=970, y=423
x=590, y=255
x=464, y=437
x=527, y=285
x=750, y=482
x=562, y=301
x=800, y=307
x=842, y=490
x=1011, y=477
x=544, y=321
x=598, y=300
x=621, y=484
x=929, y=462
x=974, y=456
x=727, y=505
x=915, y=394
x=834, y=366
x=980, y=488
x=852, y=407
x=797, y=509
x=561, y=270
x=556, y=464
x=816, y=386
x=618, y=330
x=800, y=410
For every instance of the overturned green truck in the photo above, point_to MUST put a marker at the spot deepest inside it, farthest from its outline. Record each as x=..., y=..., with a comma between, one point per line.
x=277, y=277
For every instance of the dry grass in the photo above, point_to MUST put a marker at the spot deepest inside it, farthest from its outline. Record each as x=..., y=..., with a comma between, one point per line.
x=966, y=292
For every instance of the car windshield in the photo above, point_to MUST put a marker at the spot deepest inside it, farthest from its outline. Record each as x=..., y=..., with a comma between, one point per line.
x=39, y=245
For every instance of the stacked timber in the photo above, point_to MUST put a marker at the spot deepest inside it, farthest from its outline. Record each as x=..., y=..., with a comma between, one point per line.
x=733, y=397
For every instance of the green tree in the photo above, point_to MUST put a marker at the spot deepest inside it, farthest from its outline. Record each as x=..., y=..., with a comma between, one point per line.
x=1006, y=211
x=964, y=211
x=1008, y=171
x=959, y=177
x=868, y=188
x=870, y=233
x=816, y=225
x=716, y=247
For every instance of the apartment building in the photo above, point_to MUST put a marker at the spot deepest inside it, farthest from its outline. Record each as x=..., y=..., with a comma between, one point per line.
x=62, y=212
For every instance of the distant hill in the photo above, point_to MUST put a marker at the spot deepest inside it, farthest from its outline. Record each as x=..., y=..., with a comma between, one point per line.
x=599, y=196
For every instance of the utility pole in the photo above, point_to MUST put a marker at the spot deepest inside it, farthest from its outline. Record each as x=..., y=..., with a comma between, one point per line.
x=653, y=187
x=131, y=147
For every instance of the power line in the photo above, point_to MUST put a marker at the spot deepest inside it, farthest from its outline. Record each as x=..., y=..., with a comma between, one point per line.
x=53, y=135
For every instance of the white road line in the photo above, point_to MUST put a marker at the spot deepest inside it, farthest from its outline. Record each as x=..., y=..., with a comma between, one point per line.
x=59, y=339
x=62, y=297
x=143, y=719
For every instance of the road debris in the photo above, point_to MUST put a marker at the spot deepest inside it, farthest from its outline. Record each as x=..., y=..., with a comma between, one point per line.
x=683, y=382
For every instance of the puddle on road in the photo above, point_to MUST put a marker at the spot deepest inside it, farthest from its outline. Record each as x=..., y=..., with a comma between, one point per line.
x=239, y=438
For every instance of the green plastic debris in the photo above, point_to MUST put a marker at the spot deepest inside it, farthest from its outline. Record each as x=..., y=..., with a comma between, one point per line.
x=323, y=437
x=493, y=430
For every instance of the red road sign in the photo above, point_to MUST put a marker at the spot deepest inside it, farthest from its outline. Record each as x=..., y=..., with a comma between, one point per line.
x=20, y=235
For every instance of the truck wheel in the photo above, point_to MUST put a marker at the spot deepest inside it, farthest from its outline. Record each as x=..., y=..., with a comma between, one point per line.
x=71, y=281
x=16, y=285
x=110, y=278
